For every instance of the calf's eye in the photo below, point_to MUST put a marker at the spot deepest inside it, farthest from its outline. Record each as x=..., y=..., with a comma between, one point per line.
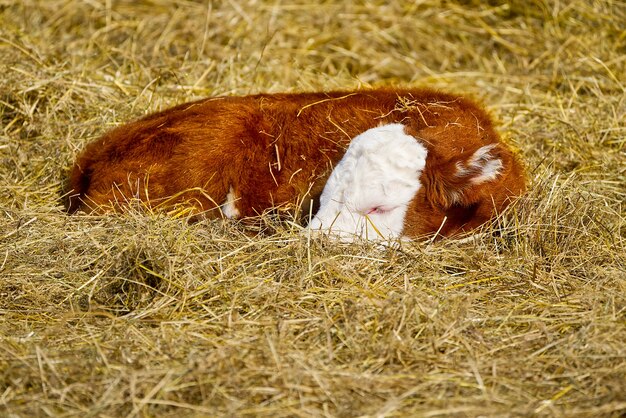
x=377, y=210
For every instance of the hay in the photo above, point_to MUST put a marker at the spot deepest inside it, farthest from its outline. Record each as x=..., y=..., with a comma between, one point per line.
x=145, y=315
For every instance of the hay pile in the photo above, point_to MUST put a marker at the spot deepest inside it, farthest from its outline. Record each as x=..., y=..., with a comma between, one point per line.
x=145, y=315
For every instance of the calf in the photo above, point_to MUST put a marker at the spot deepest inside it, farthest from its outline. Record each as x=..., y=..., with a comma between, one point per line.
x=382, y=163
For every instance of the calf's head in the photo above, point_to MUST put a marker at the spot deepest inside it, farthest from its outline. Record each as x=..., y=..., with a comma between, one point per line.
x=389, y=185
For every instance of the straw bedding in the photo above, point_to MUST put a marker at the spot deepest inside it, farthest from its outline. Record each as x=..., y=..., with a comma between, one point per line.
x=144, y=314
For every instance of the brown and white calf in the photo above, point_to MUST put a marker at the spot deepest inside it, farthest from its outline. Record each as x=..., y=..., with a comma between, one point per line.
x=382, y=163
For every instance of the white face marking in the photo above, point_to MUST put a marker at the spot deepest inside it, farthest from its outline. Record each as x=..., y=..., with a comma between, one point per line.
x=368, y=192
x=229, y=209
x=482, y=163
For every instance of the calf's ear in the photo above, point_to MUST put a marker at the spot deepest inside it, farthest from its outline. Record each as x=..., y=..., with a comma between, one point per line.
x=462, y=180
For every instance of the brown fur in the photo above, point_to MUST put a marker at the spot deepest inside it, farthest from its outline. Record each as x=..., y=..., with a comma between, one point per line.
x=277, y=150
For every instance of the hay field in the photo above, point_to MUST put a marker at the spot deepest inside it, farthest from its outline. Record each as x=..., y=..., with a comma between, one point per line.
x=146, y=315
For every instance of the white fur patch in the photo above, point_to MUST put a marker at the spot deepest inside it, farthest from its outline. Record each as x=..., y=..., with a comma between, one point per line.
x=229, y=209
x=482, y=161
x=368, y=192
